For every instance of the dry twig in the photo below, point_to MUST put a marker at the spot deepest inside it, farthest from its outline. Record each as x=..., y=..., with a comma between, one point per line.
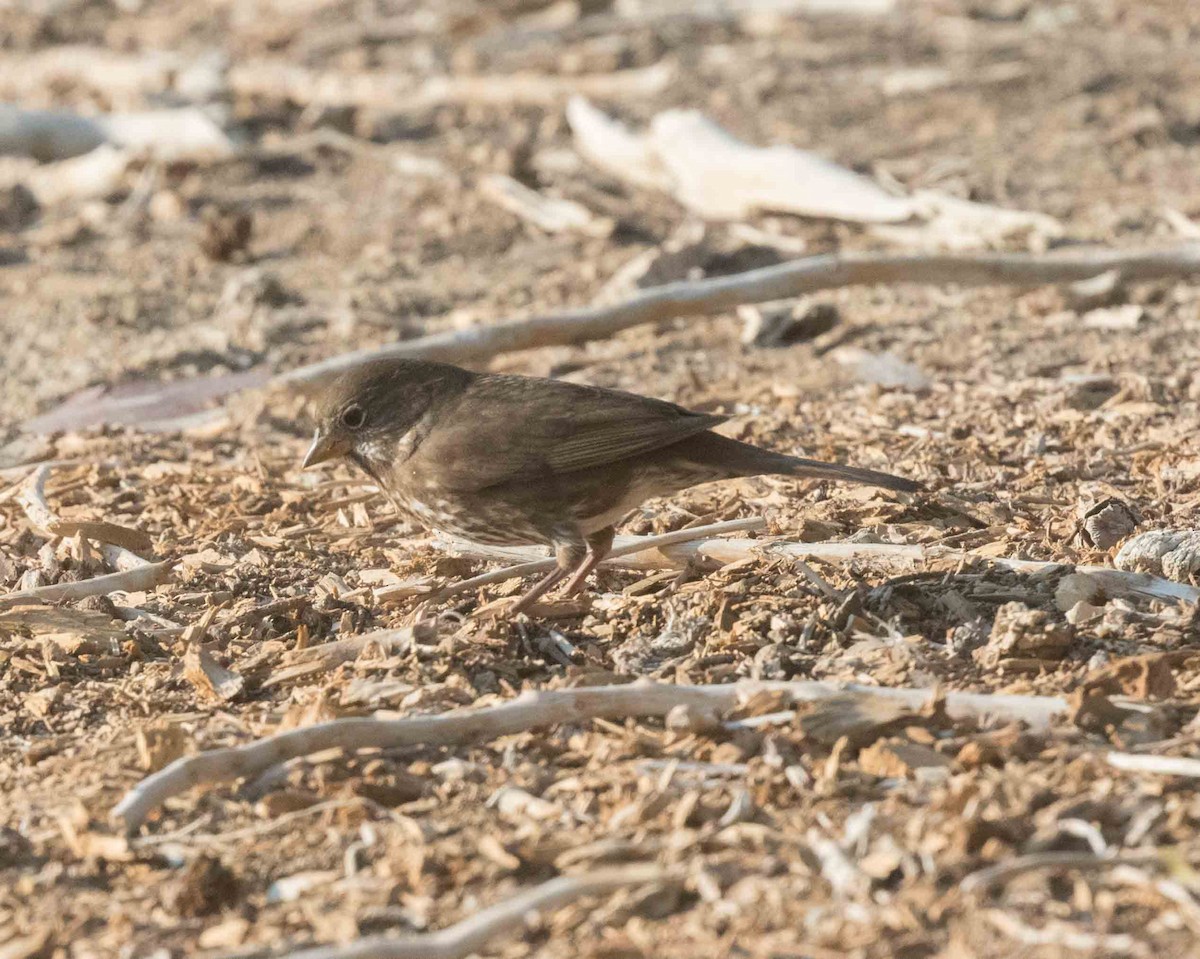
x=529, y=711
x=472, y=934
x=275, y=80
x=669, y=552
x=985, y=879
x=133, y=572
x=622, y=548
x=785, y=281
x=146, y=576
x=46, y=522
x=1159, y=765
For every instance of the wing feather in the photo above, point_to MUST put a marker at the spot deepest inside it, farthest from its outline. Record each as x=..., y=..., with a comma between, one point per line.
x=508, y=428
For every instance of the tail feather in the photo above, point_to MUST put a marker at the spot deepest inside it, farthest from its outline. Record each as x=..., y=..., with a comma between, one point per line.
x=742, y=459
x=850, y=474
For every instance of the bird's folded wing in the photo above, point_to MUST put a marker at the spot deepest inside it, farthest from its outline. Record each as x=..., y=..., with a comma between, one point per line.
x=502, y=432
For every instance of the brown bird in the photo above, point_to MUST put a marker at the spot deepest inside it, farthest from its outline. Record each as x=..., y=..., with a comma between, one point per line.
x=516, y=460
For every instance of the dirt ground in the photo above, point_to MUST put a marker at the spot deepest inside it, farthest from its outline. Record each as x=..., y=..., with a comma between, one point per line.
x=1030, y=407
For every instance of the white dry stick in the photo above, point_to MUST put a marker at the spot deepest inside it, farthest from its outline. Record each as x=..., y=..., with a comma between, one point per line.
x=657, y=304
x=1159, y=765
x=133, y=572
x=32, y=499
x=142, y=577
x=552, y=214
x=719, y=177
x=327, y=656
x=96, y=73
x=622, y=548
x=48, y=523
x=276, y=80
x=667, y=552
x=784, y=281
x=472, y=934
x=985, y=879
x=531, y=711
x=1063, y=935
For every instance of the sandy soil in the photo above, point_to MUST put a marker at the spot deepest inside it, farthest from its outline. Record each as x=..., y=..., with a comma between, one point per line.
x=1032, y=410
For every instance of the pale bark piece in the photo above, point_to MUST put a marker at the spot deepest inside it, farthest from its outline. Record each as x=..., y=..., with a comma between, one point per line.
x=882, y=369
x=719, y=177
x=532, y=711
x=472, y=934
x=149, y=406
x=97, y=173
x=1106, y=583
x=47, y=135
x=139, y=578
x=58, y=135
x=122, y=79
x=1173, y=553
x=168, y=134
x=275, y=80
x=787, y=280
x=613, y=147
x=550, y=214
x=957, y=225
x=211, y=679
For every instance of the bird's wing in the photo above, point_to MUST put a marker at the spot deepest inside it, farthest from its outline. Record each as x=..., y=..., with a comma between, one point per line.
x=508, y=428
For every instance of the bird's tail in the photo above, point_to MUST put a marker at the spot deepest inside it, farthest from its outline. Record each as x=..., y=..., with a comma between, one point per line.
x=849, y=474
x=742, y=459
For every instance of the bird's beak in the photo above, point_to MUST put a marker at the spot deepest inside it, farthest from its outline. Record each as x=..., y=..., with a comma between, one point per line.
x=324, y=447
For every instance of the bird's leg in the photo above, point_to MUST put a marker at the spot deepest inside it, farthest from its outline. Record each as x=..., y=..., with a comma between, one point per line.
x=569, y=556
x=598, y=545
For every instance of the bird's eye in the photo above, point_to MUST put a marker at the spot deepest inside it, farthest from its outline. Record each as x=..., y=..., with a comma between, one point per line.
x=353, y=417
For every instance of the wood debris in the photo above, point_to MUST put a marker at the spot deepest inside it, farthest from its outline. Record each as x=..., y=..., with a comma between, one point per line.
x=790, y=718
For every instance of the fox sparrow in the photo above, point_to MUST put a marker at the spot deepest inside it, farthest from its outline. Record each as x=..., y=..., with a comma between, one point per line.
x=516, y=460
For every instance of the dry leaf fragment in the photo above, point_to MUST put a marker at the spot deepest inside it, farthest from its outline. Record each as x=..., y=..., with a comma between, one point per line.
x=209, y=677
x=160, y=745
x=1019, y=632
x=896, y=758
x=60, y=621
x=1151, y=676
x=514, y=804
x=206, y=886
x=551, y=214
x=1107, y=523
x=37, y=945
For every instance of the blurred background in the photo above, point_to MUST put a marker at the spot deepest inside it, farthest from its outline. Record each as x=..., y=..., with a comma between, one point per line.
x=233, y=185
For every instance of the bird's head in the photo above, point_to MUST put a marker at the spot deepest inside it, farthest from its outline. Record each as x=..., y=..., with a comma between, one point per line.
x=365, y=413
